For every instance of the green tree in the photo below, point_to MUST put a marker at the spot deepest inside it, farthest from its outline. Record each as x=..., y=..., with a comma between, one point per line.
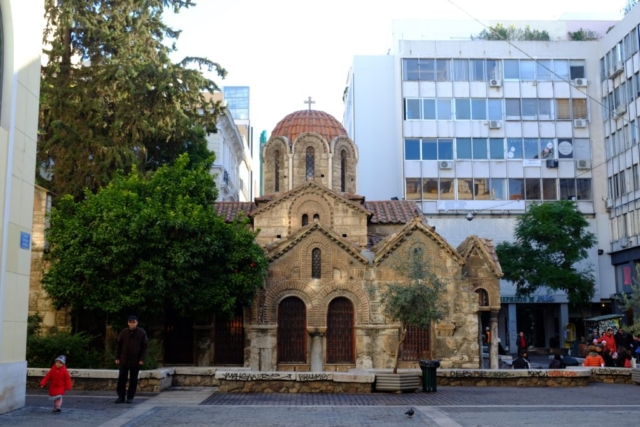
x=146, y=244
x=500, y=32
x=631, y=301
x=417, y=301
x=111, y=98
x=630, y=4
x=551, y=238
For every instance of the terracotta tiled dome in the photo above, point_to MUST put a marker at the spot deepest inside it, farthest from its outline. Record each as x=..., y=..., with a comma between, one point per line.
x=309, y=121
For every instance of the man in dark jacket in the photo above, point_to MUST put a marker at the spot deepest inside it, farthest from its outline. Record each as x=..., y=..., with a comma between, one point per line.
x=131, y=351
x=521, y=362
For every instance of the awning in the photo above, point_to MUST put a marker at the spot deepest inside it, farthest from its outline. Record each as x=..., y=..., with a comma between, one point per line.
x=604, y=317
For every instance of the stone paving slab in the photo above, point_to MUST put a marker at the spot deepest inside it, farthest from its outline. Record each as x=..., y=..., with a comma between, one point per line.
x=286, y=416
x=595, y=394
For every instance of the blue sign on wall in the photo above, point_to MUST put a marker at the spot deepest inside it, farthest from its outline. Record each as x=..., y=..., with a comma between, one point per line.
x=25, y=240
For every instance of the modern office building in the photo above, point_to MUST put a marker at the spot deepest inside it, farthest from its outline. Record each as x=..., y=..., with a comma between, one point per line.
x=474, y=131
x=237, y=100
x=20, y=50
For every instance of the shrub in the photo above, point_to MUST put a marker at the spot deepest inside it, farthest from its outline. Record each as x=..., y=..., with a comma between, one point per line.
x=43, y=349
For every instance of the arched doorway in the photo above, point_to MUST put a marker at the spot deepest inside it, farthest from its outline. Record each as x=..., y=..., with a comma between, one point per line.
x=340, y=331
x=229, y=340
x=292, y=331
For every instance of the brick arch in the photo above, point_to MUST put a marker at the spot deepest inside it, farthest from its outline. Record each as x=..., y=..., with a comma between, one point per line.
x=321, y=159
x=318, y=314
x=315, y=240
x=297, y=208
x=282, y=145
x=491, y=294
x=282, y=291
x=337, y=145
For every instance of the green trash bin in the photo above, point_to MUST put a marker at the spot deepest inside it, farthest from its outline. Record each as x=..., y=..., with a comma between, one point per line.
x=429, y=375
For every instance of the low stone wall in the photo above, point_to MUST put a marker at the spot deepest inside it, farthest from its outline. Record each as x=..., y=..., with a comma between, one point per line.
x=294, y=382
x=193, y=376
x=243, y=380
x=577, y=377
x=106, y=379
x=611, y=375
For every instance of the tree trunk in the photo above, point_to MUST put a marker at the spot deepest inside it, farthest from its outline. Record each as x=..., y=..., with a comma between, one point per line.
x=403, y=336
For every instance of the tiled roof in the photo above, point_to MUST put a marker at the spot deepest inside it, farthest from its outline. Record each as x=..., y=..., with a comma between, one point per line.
x=230, y=210
x=309, y=121
x=486, y=246
x=393, y=211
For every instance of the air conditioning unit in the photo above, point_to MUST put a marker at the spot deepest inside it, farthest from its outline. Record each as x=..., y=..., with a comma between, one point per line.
x=624, y=242
x=580, y=123
x=445, y=164
x=580, y=82
x=552, y=163
x=495, y=83
x=617, y=68
x=608, y=204
x=621, y=109
x=495, y=124
x=583, y=164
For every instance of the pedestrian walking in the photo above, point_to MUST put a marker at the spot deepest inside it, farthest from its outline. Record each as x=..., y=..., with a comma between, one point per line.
x=521, y=343
x=59, y=382
x=131, y=351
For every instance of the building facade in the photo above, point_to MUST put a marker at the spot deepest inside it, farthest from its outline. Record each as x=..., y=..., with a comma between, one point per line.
x=20, y=51
x=474, y=131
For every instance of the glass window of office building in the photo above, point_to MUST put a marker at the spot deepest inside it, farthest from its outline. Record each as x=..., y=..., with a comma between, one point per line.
x=237, y=99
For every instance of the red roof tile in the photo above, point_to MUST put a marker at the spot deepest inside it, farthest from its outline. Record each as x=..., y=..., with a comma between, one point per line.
x=309, y=121
x=393, y=211
x=230, y=210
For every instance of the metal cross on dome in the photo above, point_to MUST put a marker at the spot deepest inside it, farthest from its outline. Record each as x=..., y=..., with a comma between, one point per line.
x=309, y=101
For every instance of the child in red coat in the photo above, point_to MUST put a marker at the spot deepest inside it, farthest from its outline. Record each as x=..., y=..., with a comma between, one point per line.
x=60, y=382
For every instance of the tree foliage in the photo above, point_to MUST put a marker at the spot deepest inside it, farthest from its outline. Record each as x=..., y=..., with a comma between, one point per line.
x=500, y=32
x=416, y=301
x=629, y=5
x=144, y=244
x=551, y=238
x=631, y=301
x=111, y=98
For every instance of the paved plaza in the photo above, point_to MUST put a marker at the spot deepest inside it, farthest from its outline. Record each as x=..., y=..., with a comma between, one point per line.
x=595, y=405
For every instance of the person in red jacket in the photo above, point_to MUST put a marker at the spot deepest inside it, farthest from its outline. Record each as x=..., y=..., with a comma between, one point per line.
x=59, y=382
x=609, y=340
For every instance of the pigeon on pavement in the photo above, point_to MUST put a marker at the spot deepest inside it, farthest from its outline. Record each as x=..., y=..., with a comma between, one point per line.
x=409, y=413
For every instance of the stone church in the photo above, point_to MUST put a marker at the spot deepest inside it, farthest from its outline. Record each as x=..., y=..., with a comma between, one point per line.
x=330, y=251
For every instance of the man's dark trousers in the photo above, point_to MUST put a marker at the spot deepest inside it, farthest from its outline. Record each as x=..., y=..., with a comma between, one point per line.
x=133, y=381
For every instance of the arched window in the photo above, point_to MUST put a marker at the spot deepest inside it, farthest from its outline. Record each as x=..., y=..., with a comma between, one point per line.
x=343, y=170
x=316, y=263
x=483, y=297
x=311, y=163
x=276, y=164
x=316, y=218
x=305, y=219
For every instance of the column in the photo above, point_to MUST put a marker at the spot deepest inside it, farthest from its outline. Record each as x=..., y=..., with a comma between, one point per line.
x=564, y=319
x=493, y=348
x=317, y=335
x=513, y=329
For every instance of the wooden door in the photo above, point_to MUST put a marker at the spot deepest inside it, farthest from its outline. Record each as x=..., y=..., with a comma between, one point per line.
x=340, y=331
x=292, y=331
x=229, y=340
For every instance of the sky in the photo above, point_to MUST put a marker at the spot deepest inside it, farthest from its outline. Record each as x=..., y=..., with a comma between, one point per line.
x=288, y=50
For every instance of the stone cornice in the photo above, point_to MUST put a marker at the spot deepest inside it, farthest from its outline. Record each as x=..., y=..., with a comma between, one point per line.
x=310, y=186
x=296, y=238
x=387, y=247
